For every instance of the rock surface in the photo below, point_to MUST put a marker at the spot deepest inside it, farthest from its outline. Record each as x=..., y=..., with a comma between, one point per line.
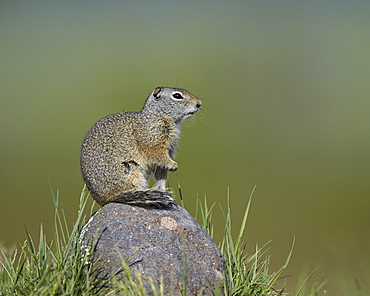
x=156, y=242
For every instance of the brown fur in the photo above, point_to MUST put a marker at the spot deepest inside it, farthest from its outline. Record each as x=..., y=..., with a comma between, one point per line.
x=121, y=150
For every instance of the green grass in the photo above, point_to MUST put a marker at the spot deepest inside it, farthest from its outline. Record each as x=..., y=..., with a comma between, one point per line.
x=57, y=267
x=61, y=266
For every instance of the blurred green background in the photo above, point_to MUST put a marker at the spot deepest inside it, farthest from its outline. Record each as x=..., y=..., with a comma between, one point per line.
x=285, y=88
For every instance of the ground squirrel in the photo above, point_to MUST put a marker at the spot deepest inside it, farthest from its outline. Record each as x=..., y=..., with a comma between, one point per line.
x=120, y=151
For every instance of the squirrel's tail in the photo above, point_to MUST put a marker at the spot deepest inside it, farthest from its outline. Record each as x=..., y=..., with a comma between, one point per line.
x=146, y=197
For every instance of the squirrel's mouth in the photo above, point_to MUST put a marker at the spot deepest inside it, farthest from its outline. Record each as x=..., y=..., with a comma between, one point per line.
x=191, y=113
x=186, y=116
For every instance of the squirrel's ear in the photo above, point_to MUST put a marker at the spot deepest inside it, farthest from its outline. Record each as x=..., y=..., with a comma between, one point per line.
x=157, y=91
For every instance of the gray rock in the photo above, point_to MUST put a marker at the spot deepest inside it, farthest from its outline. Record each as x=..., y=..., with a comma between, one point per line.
x=156, y=242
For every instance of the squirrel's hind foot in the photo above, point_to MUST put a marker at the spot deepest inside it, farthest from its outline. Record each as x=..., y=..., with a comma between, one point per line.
x=157, y=198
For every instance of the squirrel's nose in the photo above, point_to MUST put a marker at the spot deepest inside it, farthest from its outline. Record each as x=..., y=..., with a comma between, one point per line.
x=198, y=105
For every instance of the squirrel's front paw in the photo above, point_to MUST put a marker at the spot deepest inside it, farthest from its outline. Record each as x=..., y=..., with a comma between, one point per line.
x=173, y=167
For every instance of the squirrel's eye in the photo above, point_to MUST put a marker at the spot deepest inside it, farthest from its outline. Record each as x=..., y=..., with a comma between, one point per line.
x=177, y=96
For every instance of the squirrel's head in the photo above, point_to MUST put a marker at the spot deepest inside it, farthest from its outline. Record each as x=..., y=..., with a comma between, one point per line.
x=175, y=103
